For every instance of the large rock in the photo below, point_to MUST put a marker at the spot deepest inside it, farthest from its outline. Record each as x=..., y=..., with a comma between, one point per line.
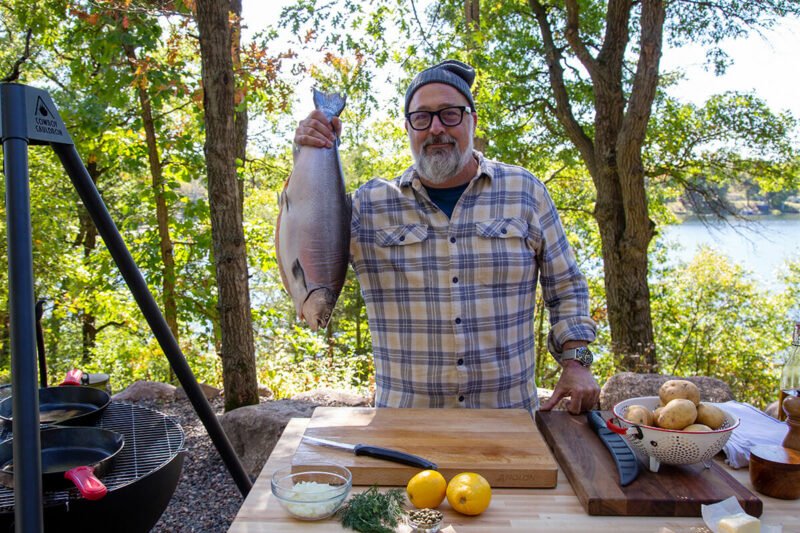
x=772, y=409
x=630, y=385
x=253, y=430
x=546, y=394
x=146, y=390
x=332, y=397
x=265, y=392
x=209, y=392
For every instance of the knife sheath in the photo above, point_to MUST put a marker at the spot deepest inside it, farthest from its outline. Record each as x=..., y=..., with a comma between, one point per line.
x=624, y=458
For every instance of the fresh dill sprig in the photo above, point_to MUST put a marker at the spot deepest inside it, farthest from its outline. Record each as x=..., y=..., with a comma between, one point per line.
x=372, y=511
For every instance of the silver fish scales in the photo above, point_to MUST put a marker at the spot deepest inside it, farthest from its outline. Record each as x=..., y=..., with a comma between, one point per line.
x=312, y=235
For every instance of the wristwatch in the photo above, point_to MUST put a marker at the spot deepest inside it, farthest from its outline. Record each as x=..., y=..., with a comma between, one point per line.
x=583, y=355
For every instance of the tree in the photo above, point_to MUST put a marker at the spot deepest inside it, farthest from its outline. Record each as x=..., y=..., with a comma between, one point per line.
x=230, y=255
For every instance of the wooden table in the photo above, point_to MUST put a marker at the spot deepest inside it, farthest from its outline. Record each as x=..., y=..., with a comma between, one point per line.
x=521, y=510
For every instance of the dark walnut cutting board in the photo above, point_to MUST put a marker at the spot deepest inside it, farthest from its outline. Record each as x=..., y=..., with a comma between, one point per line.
x=673, y=491
x=502, y=445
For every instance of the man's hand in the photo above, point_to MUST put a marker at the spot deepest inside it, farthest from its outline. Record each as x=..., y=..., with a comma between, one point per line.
x=578, y=383
x=316, y=131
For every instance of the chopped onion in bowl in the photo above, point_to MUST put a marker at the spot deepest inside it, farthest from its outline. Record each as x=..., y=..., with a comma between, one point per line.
x=311, y=491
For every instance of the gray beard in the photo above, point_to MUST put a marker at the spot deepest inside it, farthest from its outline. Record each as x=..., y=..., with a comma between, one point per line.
x=440, y=165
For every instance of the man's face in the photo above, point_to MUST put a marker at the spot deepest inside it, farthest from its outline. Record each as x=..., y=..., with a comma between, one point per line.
x=440, y=151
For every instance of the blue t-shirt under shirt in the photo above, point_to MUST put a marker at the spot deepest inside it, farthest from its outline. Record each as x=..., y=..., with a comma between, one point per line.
x=446, y=199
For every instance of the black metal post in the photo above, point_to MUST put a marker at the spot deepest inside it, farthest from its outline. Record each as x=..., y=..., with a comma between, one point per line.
x=130, y=272
x=25, y=400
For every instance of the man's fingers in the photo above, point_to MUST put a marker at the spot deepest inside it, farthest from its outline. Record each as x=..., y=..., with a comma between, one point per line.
x=554, y=399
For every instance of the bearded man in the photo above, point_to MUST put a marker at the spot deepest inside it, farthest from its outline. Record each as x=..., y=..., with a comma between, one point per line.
x=448, y=255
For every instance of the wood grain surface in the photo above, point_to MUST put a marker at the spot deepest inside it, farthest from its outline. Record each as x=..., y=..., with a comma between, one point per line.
x=672, y=491
x=512, y=510
x=502, y=445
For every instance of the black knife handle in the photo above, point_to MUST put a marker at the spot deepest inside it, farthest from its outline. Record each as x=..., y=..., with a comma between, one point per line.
x=394, y=455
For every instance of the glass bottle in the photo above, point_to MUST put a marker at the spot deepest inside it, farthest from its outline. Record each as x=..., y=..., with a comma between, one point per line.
x=790, y=375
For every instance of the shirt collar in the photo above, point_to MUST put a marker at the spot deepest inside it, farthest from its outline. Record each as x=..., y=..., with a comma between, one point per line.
x=411, y=178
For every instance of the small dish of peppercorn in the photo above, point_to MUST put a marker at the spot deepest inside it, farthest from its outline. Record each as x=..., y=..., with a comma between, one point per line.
x=425, y=520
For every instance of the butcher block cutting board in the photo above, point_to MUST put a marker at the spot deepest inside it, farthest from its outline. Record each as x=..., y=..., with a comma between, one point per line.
x=502, y=445
x=672, y=491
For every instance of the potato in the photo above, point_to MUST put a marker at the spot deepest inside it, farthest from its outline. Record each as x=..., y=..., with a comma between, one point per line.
x=679, y=388
x=697, y=427
x=678, y=414
x=656, y=414
x=638, y=414
x=710, y=415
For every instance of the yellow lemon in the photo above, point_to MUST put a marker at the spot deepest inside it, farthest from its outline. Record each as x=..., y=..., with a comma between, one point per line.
x=469, y=493
x=426, y=489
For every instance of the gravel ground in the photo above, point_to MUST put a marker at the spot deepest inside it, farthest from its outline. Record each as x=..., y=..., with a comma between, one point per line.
x=206, y=499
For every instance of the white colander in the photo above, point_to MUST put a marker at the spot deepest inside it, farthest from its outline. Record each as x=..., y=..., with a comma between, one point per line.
x=669, y=446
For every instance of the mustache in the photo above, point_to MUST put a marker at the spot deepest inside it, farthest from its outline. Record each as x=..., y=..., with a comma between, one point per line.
x=438, y=139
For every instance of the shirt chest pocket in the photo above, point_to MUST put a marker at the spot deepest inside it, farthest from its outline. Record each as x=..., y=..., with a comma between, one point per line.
x=509, y=248
x=399, y=254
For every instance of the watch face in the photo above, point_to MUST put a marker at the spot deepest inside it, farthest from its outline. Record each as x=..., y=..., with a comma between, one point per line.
x=584, y=355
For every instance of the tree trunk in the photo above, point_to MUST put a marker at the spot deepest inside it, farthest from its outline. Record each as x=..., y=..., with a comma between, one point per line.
x=227, y=232
x=88, y=240
x=168, y=292
x=614, y=161
x=240, y=118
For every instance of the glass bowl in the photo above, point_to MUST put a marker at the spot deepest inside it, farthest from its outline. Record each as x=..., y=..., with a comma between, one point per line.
x=311, y=492
x=426, y=526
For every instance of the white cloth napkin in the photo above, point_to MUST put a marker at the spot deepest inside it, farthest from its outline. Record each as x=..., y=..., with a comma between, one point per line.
x=756, y=428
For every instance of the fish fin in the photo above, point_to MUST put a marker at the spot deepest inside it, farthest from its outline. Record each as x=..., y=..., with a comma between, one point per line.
x=298, y=273
x=332, y=104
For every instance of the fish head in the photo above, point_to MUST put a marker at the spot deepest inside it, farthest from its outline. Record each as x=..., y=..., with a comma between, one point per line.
x=318, y=307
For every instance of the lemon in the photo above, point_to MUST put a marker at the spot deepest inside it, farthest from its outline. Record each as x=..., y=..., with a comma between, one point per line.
x=469, y=493
x=426, y=490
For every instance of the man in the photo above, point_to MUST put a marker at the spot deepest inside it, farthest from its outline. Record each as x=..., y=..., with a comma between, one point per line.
x=448, y=255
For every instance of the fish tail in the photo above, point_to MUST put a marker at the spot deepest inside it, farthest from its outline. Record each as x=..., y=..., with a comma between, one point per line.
x=332, y=104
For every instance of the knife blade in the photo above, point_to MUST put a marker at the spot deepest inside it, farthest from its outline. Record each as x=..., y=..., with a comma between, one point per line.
x=376, y=452
x=624, y=458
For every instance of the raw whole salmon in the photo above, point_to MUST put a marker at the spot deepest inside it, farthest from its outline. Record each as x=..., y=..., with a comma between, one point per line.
x=312, y=235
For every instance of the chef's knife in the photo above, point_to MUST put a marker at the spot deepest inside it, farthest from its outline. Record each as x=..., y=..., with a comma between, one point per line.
x=376, y=452
x=625, y=459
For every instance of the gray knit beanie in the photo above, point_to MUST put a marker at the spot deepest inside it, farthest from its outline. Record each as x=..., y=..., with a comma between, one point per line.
x=450, y=72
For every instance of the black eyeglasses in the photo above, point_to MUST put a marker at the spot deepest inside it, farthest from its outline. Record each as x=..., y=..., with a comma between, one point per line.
x=449, y=116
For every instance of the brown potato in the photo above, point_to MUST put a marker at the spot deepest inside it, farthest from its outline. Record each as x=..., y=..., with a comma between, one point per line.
x=678, y=414
x=656, y=414
x=638, y=414
x=697, y=427
x=679, y=388
x=710, y=415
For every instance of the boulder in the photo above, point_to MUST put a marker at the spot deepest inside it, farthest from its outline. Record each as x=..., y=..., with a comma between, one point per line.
x=631, y=385
x=333, y=398
x=265, y=392
x=146, y=390
x=546, y=394
x=209, y=391
x=254, y=429
x=772, y=409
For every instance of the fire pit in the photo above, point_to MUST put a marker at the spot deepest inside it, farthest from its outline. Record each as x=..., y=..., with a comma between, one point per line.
x=140, y=483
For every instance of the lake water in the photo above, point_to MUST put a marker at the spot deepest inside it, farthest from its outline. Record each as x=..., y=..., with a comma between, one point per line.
x=760, y=245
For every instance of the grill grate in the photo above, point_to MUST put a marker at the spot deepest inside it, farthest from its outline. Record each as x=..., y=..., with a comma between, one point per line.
x=151, y=440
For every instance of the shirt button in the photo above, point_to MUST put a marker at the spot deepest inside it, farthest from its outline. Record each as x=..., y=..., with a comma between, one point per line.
x=403, y=237
x=452, y=239
x=460, y=362
x=455, y=279
x=461, y=398
x=504, y=231
x=458, y=321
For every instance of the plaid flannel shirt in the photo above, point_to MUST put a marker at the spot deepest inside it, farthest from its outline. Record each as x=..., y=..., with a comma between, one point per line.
x=451, y=301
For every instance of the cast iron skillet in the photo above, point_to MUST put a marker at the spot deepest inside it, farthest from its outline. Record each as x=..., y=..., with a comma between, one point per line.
x=65, y=405
x=78, y=455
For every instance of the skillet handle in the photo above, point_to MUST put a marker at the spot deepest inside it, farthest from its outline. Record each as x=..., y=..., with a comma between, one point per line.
x=88, y=485
x=73, y=377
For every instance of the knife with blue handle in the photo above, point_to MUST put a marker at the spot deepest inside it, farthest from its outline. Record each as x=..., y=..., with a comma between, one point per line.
x=624, y=458
x=375, y=451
